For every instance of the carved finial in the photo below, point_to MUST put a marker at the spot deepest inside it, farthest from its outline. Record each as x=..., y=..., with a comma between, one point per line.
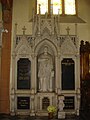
x=39, y=8
x=76, y=29
x=15, y=24
x=16, y=27
x=46, y=15
x=58, y=11
x=24, y=29
x=58, y=14
x=51, y=9
x=33, y=14
x=58, y=18
x=67, y=29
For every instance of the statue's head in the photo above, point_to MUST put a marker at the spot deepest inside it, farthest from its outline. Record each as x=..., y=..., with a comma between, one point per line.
x=45, y=50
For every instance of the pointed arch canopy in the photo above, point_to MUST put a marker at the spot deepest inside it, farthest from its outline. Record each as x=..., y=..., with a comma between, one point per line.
x=46, y=42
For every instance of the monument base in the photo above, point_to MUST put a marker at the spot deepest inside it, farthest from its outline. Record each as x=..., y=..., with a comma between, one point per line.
x=61, y=115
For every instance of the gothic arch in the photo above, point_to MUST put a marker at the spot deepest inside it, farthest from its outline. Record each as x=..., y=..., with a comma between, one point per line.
x=46, y=42
x=68, y=47
x=45, y=52
x=23, y=46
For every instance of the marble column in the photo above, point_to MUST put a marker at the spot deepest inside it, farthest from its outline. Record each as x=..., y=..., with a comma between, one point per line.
x=78, y=100
x=12, y=87
x=32, y=105
x=0, y=53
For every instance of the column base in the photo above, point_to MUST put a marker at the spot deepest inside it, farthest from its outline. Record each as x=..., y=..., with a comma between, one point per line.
x=32, y=113
x=12, y=113
x=61, y=115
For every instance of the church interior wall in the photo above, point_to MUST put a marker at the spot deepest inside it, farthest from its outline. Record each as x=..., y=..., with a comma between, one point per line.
x=21, y=11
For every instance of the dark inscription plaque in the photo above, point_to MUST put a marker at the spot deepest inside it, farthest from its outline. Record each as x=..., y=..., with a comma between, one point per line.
x=68, y=77
x=45, y=103
x=23, y=102
x=23, y=73
x=69, y=102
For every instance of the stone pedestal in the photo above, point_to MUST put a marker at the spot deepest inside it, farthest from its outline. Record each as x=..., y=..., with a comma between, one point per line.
x=50, y=115
x=61, y=115
x=12, y=113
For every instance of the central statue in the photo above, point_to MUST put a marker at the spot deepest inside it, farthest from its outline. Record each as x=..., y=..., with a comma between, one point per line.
x=45, y=71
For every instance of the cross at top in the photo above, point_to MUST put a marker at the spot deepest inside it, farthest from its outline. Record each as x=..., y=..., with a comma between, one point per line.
x=24, y=29
x=67, y=29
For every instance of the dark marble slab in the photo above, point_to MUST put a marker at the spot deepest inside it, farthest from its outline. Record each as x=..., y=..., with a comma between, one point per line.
x=8, y=117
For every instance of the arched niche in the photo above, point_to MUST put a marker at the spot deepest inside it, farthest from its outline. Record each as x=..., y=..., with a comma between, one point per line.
x=45, y=69
x=45, y=52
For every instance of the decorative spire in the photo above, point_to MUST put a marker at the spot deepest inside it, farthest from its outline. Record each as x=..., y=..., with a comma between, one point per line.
x=33, y=14
x=46, y=15
x=16, y=27
x=39, y=9
x=24, y=29
x=39, y=20
x=68, y=29
x=76, y=29
x=15, y=32
x=76, y=36
x=51, y=9
x=58, y=21
x=58, y=15
x=33, y=20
